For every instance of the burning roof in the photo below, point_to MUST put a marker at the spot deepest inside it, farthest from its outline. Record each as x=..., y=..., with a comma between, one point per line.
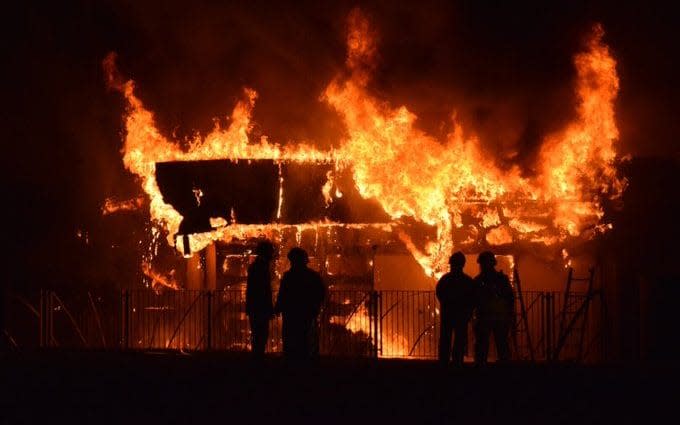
x=450, y=184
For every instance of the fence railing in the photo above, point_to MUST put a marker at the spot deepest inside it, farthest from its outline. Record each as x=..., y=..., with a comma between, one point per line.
x=399, y=324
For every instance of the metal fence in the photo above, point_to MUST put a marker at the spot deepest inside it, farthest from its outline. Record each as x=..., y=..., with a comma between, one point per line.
x=398, y=324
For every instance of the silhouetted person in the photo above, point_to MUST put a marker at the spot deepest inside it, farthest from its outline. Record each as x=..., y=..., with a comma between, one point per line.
x=456, y=295
x=301, y=295
x=495, y=309
x=259, y=306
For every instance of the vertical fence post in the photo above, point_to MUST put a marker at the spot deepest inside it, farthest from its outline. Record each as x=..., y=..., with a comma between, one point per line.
x=42, y=318
x=604, y=329
x=51, y=342
x=46, y=327
x=373, y=312
x=379, y=324
x=125, y=319
x=541, y=325
x=549, y=304
x=552, y=324
x=209, y=296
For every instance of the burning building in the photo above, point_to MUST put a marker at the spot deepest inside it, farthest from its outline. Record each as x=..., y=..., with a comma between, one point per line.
x=380, y=143
x=386, y=207
x=389, y=188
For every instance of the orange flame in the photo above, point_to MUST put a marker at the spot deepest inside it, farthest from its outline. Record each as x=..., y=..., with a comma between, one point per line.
x=113, y=205
x=392, y=343
x=436, y=181
x=157, y=279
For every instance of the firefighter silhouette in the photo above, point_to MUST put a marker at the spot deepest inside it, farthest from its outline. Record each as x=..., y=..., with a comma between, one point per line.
x=456, y=294
x=495, y=309
x=299, y=301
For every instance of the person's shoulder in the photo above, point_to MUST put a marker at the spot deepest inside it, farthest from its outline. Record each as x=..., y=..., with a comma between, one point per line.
x=445, y=277
x=504, y=277
x=258, y=266
x=314, y=274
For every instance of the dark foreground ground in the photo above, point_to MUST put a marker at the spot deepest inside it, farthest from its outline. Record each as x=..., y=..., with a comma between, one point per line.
x=124, y=388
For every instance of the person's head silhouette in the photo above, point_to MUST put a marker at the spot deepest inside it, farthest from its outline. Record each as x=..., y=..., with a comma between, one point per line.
x=265, y=250
x=298, y=257
x=486, y=261
x=457, y=261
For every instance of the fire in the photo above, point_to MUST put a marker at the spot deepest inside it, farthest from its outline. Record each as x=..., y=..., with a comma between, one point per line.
x=112, y=205
x=578, y=161
x=413, y=174
x=159, y=280
x=392, y=343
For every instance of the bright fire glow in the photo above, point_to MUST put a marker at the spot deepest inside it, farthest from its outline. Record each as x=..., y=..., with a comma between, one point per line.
x=113, y=205
x=392, y=343
x=158, y=280
x=410, y=173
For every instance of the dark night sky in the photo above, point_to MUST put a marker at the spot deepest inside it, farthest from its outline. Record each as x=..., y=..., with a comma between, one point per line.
x=506, y=70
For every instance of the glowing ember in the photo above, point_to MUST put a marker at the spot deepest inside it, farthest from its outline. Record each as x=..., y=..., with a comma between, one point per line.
x=113, y=206
x=409, y=172
x=158, y=280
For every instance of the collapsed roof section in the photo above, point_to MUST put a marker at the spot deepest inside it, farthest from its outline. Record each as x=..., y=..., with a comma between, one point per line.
x=262, y=192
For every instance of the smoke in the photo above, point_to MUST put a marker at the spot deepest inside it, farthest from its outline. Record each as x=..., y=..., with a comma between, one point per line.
x=113, y=79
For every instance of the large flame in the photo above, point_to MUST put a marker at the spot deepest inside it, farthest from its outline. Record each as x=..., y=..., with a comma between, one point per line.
x=413, y=174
